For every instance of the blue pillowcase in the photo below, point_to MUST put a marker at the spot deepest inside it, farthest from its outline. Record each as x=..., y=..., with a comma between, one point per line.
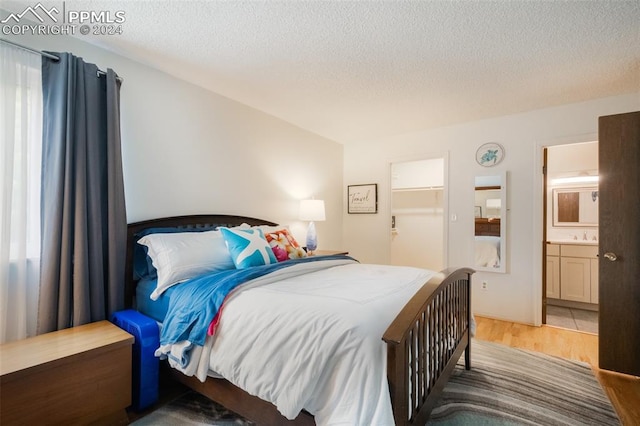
x=248, y=247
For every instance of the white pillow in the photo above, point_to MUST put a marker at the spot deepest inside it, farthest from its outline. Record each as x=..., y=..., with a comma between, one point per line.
x=184, y=255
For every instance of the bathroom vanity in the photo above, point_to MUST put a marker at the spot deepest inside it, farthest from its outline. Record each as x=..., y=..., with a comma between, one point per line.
x=572, y=271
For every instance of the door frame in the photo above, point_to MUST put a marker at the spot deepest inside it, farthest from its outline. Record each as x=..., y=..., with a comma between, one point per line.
x=445, y=198
x=539, y=225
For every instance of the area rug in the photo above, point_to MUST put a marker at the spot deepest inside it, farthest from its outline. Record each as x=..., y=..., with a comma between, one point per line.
x=508, y=386
x=192, y=409
x=505, y=386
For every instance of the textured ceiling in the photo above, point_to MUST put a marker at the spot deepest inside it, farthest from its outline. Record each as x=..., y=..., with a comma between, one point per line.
x=355, y=70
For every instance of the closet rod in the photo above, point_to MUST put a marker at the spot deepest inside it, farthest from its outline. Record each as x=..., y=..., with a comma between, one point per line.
x=47, y=55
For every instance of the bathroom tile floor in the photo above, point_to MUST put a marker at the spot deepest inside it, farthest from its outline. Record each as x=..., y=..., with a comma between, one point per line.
x=572, y=319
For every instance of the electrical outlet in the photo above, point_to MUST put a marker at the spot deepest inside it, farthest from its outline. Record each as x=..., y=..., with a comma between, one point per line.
x=484, y=285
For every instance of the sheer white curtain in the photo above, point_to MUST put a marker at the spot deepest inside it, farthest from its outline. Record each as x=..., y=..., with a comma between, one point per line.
x=20, y=165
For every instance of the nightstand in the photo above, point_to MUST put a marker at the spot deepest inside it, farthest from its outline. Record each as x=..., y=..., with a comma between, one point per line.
x=79, y=375
x=328, y=252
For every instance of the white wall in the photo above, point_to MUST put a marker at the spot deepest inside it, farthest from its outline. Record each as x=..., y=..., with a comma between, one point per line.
x=187, y=150
x=516, y=294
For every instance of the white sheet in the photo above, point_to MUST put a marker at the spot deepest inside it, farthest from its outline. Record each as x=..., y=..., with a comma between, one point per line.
x=315, y=341
x=487, y=251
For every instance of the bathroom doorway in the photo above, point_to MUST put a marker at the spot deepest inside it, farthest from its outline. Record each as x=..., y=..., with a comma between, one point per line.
x=418, y=200
x=570, y=235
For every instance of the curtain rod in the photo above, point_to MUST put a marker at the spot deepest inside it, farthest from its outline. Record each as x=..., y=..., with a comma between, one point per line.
x=47, y=55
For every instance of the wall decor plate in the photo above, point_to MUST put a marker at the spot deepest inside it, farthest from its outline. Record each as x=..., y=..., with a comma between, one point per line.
x=489, y=154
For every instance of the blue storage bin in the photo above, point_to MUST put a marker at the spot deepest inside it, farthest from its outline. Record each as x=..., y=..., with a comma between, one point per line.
x=145, y=368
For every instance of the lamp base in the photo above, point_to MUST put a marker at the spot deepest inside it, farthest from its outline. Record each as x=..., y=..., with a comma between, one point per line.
x=312, y=239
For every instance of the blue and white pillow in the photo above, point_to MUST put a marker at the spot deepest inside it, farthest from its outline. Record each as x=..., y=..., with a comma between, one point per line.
x=248, y=247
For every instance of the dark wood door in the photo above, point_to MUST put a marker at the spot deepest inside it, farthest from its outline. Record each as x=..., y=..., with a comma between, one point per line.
x=619, y=249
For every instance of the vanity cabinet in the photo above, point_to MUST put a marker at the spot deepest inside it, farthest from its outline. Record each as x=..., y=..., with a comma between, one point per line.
x=575, y=278
x=594, y=278
x=553, y=271
x=572, y=272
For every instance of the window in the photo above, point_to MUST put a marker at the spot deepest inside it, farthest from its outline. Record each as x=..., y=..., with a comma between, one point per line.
x=20, y=164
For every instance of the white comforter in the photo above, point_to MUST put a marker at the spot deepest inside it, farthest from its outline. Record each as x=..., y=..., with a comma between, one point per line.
x=487, y=251
x=313, y=340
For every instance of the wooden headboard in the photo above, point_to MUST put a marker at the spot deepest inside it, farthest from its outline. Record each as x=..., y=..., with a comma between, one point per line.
x=193, y=222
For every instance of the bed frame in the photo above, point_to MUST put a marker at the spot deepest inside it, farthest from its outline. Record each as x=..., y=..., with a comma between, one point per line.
x=424, y=342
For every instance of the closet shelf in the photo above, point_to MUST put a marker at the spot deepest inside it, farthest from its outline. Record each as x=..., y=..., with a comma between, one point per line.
x=422, y=188
x=417, y=210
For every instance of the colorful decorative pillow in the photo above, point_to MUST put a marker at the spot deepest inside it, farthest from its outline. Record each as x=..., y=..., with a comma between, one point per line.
x=248, y=247
x=284, y=246
x=185, y=255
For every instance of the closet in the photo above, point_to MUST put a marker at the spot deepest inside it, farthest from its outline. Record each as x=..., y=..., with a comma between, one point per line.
x=417, y=213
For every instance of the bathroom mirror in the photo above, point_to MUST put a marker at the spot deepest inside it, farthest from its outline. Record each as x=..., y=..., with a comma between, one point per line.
x=575, y=206
x=490, y=225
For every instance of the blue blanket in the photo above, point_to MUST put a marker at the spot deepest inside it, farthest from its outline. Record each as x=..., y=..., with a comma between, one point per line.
x=195, y=303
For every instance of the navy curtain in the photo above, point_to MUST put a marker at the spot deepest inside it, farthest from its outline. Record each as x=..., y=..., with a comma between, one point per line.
x=84, y=223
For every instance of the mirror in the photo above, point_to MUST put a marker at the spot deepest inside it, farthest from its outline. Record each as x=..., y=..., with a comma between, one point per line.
x=575, y=206
x=490, y=223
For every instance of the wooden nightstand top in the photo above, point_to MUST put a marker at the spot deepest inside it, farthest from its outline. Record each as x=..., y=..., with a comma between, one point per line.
x=328, y=252
x=36, y=351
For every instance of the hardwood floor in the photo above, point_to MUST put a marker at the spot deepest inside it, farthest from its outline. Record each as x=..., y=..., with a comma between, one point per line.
x=623, y=390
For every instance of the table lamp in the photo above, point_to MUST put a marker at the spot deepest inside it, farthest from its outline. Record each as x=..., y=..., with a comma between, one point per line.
x=312, y=210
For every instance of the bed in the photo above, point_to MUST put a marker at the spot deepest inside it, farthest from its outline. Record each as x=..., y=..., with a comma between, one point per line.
x=422, y=336
x=487, y=251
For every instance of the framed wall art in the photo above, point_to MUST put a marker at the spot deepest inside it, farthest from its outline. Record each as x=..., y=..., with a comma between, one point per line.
x=362, y=199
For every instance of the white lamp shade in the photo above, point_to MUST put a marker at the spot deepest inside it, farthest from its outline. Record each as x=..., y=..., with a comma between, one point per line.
x=312, y=210
x=494, y=203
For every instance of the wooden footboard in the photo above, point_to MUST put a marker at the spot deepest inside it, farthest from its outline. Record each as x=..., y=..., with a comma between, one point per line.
x=424, y=344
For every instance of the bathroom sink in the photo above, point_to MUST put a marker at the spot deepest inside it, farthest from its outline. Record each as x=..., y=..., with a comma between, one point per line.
x=572, y=241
